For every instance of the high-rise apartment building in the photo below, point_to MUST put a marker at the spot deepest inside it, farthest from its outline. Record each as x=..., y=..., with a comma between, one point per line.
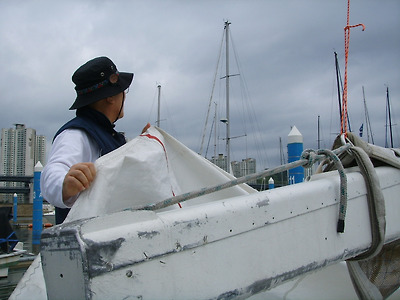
x=221, y=161
x=245, y=167
x=239, y=168
x=40, y=149
x=21, y=149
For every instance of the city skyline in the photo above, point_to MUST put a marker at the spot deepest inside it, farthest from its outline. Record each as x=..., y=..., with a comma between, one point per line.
x=21, y=150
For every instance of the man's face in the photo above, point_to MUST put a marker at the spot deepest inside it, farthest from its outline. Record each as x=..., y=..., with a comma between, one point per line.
x=119, y=105
x=122, y=104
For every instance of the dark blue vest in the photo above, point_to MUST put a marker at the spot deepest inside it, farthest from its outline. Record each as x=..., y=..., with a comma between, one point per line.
x=98, y=127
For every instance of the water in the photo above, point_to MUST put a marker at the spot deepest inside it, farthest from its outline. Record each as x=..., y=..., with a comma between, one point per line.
x=24, y=235
x=15, y=273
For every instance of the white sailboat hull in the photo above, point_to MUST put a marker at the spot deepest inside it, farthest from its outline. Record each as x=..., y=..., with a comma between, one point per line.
x=226, y=249
x=9, y=259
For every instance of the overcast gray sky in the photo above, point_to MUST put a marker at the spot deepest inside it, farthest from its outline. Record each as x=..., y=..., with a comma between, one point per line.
x=285, y=51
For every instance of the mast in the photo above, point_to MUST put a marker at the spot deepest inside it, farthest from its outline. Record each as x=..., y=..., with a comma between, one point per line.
x=225, y=120
x=215, y=131
x=228, y=142
x=367, y=122
x=339, y=84
x=388, y=121
x=338, y=81
x=282, y=158
x=319, y=139
x=159, y=104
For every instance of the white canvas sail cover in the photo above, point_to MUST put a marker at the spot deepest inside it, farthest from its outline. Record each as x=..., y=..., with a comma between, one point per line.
x=151, y=168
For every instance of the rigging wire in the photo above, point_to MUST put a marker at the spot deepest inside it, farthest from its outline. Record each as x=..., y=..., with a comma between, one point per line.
x=169, y=120
x=211, y=96
x=152, y=103
x=209, y=138
x=367, y=121
x=249, y=108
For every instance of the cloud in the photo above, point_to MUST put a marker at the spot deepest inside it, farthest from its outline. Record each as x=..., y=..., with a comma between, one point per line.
x=285, y=50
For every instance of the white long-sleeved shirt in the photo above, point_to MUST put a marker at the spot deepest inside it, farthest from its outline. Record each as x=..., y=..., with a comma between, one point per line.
x=70, y=147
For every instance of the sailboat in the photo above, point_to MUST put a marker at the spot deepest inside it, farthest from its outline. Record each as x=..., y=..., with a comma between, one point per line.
x=340, y=90
x=10, y=247
x=126, y=239
x=225, y=161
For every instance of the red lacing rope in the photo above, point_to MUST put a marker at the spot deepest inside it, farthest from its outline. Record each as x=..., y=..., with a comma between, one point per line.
x=166, y=157
x=343, y=127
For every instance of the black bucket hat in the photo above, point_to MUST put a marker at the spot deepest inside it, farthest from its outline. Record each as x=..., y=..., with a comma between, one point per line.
x=98, y=79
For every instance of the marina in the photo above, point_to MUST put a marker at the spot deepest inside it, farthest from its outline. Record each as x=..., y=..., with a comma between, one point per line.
x=162, y=221
x=17, y=270
x=25, y=251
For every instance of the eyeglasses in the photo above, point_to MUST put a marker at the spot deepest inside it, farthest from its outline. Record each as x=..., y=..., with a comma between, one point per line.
x=126, y=91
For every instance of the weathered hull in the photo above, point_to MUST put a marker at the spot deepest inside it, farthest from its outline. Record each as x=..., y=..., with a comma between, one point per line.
x=232, y=248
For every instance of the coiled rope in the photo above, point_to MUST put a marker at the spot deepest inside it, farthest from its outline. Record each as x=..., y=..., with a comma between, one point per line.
x=376, y=203
x=312, y=155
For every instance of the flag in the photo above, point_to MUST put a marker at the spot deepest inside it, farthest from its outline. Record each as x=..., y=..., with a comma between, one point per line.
x=361, y=129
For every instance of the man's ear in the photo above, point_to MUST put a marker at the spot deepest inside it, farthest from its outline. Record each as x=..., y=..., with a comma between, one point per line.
x=110, y=100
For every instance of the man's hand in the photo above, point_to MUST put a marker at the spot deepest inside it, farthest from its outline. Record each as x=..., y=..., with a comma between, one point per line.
x=146, y=127
x=78, y=178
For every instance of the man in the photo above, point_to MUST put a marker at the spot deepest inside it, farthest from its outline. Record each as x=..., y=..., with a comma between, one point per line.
x=101, y=92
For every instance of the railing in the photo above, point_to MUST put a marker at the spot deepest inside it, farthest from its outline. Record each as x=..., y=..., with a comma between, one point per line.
x=19, y=190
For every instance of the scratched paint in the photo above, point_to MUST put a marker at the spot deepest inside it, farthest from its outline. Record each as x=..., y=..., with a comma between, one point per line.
x=147, y=234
